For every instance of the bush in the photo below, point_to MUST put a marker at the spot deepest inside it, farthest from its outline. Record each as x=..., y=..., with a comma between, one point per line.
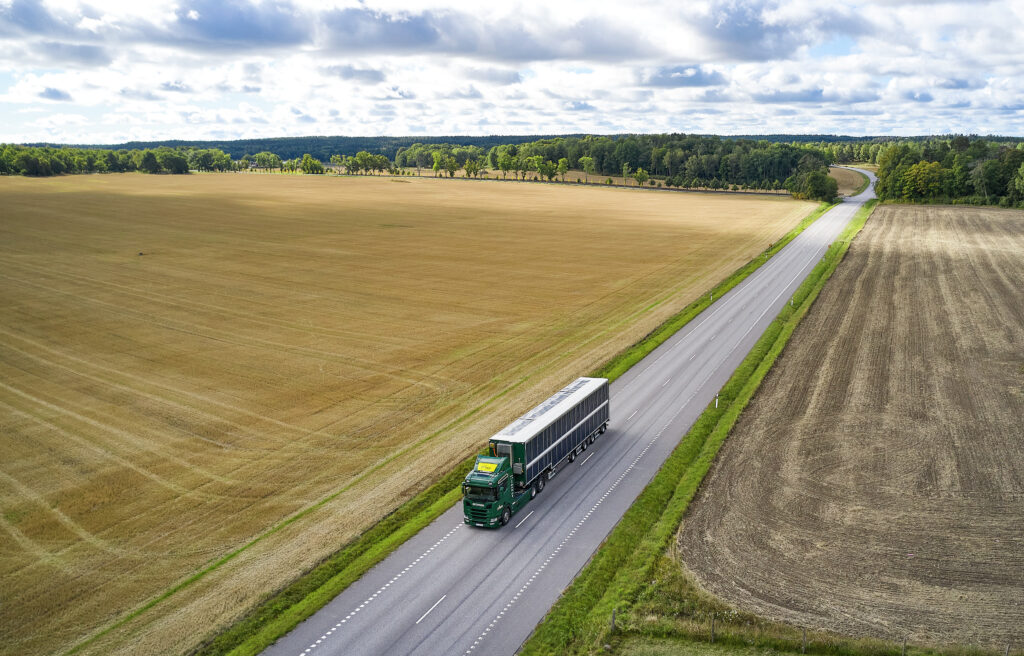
x=814, y=185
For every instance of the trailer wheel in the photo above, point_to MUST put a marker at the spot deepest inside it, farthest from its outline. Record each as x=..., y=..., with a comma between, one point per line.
x=540, y=482
x=583, y=446
x=591, y=439
x=506, y=515
x=604, y=427
x=572, y=455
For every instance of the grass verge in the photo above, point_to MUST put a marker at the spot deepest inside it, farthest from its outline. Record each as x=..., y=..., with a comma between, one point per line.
x=621, y=572
x=284, y=610
x=863, y=185
x=623, y=361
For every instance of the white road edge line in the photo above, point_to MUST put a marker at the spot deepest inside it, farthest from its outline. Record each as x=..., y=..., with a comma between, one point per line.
x=525, y=518
x=586, y=459
x=633, y=415
x=747, y=284
x=431, y=608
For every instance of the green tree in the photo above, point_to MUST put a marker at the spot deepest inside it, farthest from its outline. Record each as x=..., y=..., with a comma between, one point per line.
x=365, y=162
x=563, y=167
x=819, y=186
x=534, y=162
x=451, y=165
x=588, y=166
x=310, y=165
x=925, y=181
x=505, y=164
x=147, y=162
x=625, y=172
x=27, y=163
x=1018, y=183
x=547, y=169
x=522, y=166
x=641, y=177
x=266, y=160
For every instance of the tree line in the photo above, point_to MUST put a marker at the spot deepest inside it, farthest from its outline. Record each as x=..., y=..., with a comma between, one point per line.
x=691, y=162
x=922, y=169
x=672, y=160
x=47, y=160
x=960, y=169
x=319, y=147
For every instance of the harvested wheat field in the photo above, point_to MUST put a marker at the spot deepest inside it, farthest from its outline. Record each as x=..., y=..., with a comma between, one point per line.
x=849, y=181
x=187, y=361
x=875, y=485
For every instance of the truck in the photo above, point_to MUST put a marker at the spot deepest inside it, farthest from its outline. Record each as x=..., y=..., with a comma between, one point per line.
x=525, y=454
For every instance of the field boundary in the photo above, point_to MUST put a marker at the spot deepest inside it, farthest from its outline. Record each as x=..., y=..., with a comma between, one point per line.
x=622, y=568
x=279, y=612
x=623, y=361
x=778, y=193
x=863, y=185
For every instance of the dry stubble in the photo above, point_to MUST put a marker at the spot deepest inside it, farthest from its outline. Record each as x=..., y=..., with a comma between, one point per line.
x=276, y=338
x=849, y=181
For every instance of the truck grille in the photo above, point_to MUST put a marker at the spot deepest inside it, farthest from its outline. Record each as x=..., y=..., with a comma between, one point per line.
x=476, y=514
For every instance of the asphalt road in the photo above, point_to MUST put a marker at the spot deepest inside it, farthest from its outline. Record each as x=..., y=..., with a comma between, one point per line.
x=453, y=589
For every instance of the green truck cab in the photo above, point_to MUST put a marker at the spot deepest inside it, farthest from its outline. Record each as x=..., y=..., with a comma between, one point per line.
x=489, y=495
x=525, y=454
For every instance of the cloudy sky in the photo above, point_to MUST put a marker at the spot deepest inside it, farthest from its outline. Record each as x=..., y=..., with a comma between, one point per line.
x=109, y=71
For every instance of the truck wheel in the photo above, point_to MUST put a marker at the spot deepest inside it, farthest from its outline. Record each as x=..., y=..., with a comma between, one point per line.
x=540, y=482
x=572, y=455
x=533, y=491
x=506, y=514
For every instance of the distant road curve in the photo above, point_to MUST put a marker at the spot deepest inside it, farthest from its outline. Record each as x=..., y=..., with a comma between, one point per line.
x=453, y=589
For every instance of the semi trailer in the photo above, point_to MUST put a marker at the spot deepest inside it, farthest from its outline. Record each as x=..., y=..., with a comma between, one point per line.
x=523, y=455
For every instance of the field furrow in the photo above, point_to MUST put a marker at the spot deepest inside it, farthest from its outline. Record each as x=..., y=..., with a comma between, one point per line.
x=875, y=484
x=187, y=361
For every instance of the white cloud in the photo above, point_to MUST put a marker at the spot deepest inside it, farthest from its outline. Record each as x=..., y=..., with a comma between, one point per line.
x=248, y=68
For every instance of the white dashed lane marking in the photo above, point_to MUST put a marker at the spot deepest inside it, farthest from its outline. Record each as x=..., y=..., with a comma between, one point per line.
x=571, y=533
x=430, y=609
x=525, y=518
x=382, y=589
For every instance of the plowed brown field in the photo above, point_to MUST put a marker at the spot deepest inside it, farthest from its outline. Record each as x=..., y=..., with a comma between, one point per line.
x=186, y=361
x=875, y=485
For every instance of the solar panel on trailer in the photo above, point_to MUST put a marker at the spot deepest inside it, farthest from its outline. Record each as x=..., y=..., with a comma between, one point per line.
x=533, y=422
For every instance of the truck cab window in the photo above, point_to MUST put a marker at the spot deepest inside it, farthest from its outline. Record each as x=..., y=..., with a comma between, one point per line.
x=482, y=493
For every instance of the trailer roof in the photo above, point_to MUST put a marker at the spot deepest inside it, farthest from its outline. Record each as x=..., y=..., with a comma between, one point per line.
x=533, y=422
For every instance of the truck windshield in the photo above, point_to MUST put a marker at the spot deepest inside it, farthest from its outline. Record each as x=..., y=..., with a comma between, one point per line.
x=481, y=492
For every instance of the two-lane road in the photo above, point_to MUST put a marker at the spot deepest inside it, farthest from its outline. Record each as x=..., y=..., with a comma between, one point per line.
x=453, y=589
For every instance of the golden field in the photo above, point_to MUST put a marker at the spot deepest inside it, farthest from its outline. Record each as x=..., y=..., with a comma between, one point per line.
x=187, y=361
x=849, y=181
